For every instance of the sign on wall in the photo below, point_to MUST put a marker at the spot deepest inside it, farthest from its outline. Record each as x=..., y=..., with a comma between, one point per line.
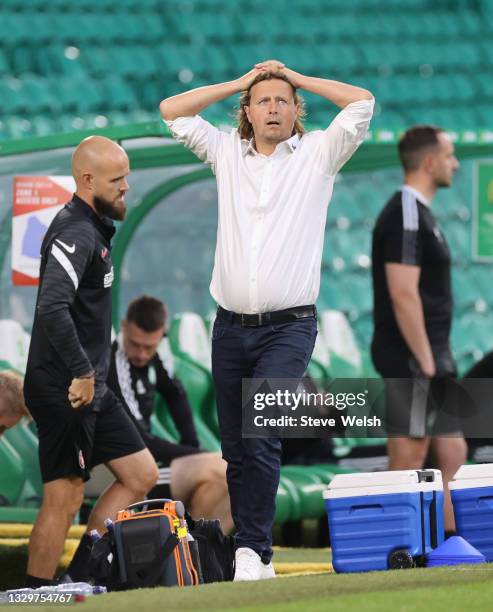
x=483, y=211
x=36, y=200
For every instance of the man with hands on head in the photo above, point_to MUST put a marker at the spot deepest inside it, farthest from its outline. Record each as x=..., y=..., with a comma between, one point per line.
x=274, y=184
x=80, y=422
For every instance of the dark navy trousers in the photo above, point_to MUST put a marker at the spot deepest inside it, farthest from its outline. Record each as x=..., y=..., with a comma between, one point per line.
x=268, y=351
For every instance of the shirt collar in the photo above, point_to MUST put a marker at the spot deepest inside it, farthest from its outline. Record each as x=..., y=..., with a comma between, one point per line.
x=417, y=194
x=291, y=144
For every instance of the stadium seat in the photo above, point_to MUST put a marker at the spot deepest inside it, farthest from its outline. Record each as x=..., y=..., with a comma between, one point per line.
x=197, y=382
x=161, y=424
x=339, y=338
x=320, y=361
x=309, y=487
x=25, y=443
x=287, y=501
x=175, y=43
x=12, y=475
x=15, y=488
x=188, y=335
x=15, y=344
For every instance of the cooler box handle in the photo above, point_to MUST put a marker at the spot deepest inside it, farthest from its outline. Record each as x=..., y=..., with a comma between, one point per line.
x=362, y=507
x=159, y=503
x=486, y=500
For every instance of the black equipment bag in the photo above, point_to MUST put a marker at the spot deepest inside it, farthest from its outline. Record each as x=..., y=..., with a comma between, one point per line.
x=147, y=547
x=216, y=550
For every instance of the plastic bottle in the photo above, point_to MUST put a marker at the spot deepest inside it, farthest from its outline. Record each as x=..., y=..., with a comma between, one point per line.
x=94, y=535
x=80, y=588
x=76, y=588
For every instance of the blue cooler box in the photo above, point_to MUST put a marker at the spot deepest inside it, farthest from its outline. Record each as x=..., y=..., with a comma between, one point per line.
x=472, y=497
x=384, y=520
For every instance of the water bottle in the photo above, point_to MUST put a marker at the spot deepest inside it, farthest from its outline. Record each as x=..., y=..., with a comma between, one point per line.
x=94, y=535
x=80, y=588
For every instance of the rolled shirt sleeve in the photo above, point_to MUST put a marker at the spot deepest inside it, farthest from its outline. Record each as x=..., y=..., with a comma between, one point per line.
x=344, y=135
x=198, y=135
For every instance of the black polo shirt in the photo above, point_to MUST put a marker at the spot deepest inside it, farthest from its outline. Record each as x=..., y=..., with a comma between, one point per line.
x=406, y=232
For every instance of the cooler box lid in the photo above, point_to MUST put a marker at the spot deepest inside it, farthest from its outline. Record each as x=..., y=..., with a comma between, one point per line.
x=473, y=476
x=380, y=483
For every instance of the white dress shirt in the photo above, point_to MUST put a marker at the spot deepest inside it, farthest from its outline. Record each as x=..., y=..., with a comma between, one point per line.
x=272, y=208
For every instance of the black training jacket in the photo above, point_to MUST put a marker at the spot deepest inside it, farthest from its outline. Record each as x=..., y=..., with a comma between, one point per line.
x=71, y=334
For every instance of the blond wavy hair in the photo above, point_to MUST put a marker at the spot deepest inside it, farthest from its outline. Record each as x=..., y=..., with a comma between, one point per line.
x=245, y=129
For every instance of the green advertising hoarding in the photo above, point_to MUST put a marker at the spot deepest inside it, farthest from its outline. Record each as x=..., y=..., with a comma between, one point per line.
x=483, y=211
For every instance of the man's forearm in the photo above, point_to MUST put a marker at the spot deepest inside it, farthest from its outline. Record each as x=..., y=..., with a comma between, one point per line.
x=339, y=93
x=410, y=319
x=194, y=101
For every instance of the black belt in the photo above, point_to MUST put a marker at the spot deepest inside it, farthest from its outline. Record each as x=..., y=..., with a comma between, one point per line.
x=264, y=318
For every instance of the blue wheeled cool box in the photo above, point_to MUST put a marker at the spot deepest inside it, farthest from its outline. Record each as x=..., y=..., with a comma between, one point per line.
x=384, y=520
x=472, y=497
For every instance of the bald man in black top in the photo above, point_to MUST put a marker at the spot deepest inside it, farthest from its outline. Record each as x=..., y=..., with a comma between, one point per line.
x=413, y=311
x=80, y=422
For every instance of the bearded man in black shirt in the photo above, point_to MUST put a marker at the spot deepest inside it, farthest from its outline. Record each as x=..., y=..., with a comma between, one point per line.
x=80, y=422
x=413, y=311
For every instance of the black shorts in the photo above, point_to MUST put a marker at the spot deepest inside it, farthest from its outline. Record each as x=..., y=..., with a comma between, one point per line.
x=73, y=441
x=416, y=406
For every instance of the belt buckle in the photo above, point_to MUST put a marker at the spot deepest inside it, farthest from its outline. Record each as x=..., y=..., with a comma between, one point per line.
x=244, y=321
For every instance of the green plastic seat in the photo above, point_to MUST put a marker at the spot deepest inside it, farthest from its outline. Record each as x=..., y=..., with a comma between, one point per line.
x=15, y=488
x=287, y=501
x=327, y=471
x=197, y=382
x=44, y=125
x=12, y=474
x=52, y=61
x=25, y=442
x=15, y=514
x=310, y=488
x=121, y=94
x=189, y=337
x=158, y=426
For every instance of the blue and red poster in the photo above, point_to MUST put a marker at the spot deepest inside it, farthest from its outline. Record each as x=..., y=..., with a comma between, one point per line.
x=36, y=200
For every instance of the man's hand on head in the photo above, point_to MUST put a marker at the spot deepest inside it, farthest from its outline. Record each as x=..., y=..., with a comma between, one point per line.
x=81, y=391
x=247, y=79
x=277, y=66
x=270, y=66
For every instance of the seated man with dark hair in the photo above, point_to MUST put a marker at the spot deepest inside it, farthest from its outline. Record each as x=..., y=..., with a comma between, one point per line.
x=136, y=373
